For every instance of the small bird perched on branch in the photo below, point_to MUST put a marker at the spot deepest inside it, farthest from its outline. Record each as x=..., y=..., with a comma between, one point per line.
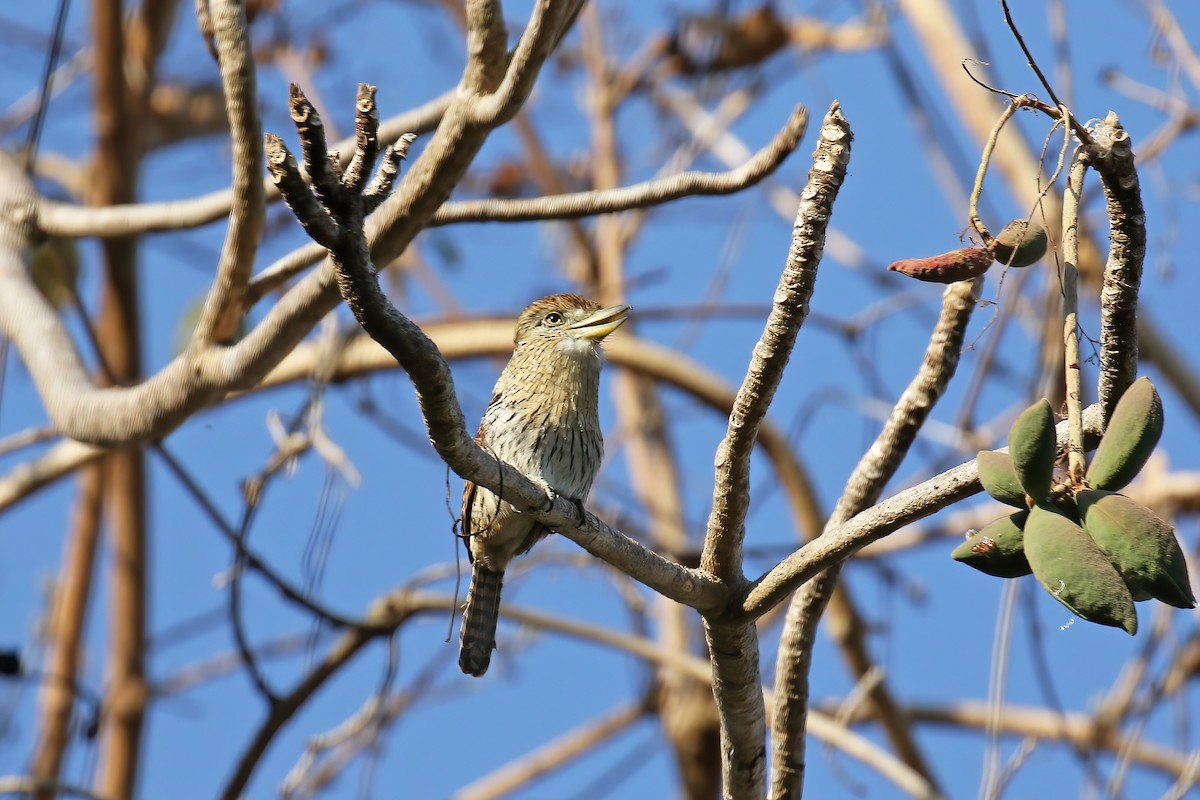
x=544, y=421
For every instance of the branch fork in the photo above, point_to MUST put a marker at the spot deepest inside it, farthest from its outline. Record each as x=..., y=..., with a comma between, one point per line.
x=334, y=209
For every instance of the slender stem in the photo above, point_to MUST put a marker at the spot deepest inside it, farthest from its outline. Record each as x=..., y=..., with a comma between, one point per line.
x=984, y=158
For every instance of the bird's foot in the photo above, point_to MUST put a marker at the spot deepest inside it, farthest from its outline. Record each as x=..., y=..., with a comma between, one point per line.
x=551, y=495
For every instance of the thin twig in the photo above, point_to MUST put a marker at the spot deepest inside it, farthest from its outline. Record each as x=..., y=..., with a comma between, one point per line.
x=984, y=159
x=1076, y=125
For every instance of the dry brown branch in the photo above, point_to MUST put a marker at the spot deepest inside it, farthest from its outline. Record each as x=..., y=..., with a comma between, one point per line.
x=126, y=56
x=68, y=616
x=389, y=612
x=30, y=785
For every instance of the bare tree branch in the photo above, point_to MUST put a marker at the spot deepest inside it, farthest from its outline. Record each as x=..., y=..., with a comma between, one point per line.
x=553, y=755
x=641, y=195
x=863, y=488
x=1112, y=157
x=733, y=644
x=873, y=524
x=223, y=307
x=571, y=206
x=389, y=612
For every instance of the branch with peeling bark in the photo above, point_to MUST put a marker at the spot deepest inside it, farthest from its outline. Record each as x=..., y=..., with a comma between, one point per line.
x=733, y=642
x=1111, y=155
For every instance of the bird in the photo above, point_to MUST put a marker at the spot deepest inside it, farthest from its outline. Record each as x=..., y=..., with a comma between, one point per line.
x=543, y=419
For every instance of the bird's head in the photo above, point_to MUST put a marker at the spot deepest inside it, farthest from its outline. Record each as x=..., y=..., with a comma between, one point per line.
x=567, y=324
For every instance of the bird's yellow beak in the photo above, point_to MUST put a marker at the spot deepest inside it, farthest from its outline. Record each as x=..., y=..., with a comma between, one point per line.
x=599, y=324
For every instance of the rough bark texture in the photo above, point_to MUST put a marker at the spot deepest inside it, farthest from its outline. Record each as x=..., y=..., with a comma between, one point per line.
x=1112, y=158
x=733, y=642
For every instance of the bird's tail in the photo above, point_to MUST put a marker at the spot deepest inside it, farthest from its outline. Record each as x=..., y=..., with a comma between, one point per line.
x=479, y=621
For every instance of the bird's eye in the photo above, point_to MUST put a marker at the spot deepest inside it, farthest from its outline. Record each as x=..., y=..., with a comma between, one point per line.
x=553, y=318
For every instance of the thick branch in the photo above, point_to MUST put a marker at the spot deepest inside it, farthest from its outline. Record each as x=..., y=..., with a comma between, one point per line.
x=733, y=644
x=723, y=541
x=1112, y=158
x=66, y=219
x=546, y=25
x=223, y=306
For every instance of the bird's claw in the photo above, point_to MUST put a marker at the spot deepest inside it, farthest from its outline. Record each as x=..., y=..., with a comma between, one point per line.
x=582, y=512
x=551, y=495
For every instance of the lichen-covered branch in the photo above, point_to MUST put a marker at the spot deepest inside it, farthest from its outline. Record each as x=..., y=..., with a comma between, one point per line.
x=1112, y=158
x=733, y=643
